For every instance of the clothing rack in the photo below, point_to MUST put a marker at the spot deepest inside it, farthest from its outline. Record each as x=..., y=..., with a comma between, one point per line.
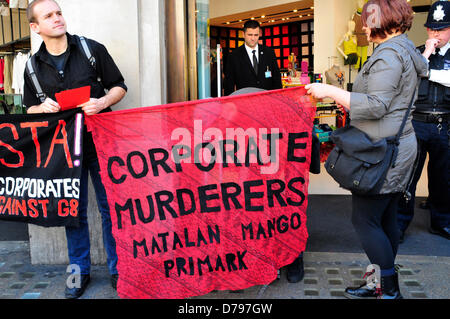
x=13, y=61
x=14, y=51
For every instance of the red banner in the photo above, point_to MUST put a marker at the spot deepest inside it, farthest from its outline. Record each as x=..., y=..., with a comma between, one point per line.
x=40, y=168
x=206, y=195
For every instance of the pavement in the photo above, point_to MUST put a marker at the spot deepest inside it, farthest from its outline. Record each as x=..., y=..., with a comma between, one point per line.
x=333, y=261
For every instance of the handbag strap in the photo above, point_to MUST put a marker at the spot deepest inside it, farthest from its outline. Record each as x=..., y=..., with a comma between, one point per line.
x=400, y=131
x=405, y=118
x=408, y=112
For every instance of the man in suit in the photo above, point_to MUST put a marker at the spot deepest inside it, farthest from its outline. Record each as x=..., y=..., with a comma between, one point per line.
x=252, y=64
x=255, y=67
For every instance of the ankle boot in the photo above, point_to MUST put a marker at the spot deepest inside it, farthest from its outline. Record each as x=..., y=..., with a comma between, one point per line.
x=296, y=270
x=390, y=288
x=362, y=292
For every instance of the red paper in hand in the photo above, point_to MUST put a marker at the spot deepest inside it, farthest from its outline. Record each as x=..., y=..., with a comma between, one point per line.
x=72, y=98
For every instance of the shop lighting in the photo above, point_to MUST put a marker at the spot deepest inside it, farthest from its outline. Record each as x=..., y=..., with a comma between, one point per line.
x=269, y=16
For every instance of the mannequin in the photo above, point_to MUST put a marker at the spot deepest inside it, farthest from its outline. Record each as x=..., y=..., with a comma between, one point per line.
x=361, y=37
x=334, y=75
x=350, y=44
x=350, y=52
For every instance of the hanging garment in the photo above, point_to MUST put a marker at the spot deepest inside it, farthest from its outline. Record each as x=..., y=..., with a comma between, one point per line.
x=2, y=78
x=361, y=36
x=361, y=39
x=9, y=59
x=20, y=60
x=23, y=4
x=362, y=53
x=14, y=4
x=4, y=11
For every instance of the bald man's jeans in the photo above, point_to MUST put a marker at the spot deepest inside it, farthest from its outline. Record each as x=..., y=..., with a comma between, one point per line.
x=78, y=243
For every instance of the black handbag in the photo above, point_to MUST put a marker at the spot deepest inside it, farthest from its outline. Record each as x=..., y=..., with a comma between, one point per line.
x=360, y=165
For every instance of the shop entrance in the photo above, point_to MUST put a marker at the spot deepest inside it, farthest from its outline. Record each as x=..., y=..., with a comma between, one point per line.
x=287, y=27
x=196, y=29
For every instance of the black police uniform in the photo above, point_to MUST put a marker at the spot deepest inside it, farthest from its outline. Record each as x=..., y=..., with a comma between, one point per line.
x=431, y=124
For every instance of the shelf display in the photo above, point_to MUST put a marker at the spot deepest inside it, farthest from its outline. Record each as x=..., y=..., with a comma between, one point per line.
x=292, y=77
x=323, y=130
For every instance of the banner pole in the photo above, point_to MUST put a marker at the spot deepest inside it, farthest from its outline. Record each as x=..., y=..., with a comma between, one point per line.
x=219, y=72
x=203, y=46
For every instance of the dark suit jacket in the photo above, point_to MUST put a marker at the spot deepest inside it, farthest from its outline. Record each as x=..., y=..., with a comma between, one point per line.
x=239, y=72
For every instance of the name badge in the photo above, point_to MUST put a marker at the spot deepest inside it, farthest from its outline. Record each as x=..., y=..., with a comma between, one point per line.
x=268, y=73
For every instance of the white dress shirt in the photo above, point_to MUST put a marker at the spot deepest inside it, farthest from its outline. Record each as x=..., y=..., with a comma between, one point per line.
x=250, y=52
x=441, y=76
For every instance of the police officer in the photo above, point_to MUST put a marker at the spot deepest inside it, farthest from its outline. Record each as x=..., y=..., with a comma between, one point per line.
x=431, y=122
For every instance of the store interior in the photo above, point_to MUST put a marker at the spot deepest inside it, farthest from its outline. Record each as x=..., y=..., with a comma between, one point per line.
x=308, y=39
x=288, y=27
x=15, y=49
